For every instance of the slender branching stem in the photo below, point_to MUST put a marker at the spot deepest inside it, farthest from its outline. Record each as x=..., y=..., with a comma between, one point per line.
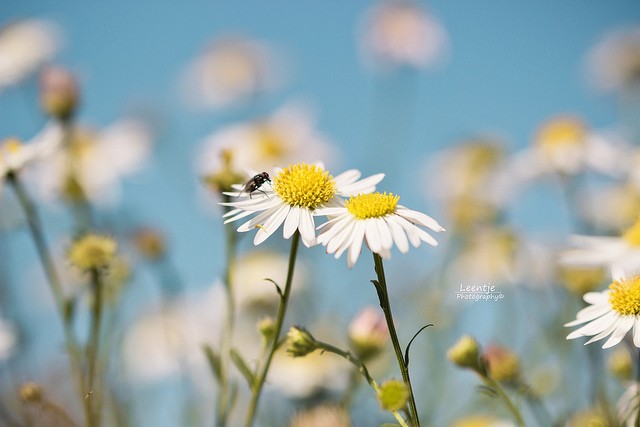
x=383, y=296
x=256, y=389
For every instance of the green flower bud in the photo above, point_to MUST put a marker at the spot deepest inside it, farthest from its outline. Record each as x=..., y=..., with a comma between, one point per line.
x=393, y=395
x=300, y=342
x=465, y=353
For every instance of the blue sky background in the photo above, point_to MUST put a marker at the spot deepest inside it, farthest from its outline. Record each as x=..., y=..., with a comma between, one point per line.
x=512, y=65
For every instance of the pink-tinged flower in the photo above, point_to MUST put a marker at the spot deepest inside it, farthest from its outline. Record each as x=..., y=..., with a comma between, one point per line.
x=401, y=33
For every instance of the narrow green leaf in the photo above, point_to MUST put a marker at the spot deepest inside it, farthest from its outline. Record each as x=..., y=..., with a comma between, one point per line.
x=406, y=351
x=242, y=366
x=278, y=288
x=214, y=361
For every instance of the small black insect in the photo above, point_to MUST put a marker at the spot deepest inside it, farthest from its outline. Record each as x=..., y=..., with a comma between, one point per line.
x=255, y=183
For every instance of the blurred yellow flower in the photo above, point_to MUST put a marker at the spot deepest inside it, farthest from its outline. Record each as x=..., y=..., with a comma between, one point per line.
x=92, y=251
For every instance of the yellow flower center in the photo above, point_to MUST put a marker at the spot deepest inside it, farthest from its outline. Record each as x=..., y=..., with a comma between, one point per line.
x=632, y=235
x=561, y=133
x=92, y=251
x=304, y=185
x=625, y=296
x=12, y=145
x=372, y=205
x=270, y=142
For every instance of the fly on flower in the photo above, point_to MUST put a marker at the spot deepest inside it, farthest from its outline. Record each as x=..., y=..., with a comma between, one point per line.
x=255, y=183
x=298, y=191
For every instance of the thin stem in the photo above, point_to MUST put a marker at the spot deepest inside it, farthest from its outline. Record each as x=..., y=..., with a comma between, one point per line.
x=63, y=306
x=383, y=296
x=256, y=390
x=224, y=397
x=362, y=368
x=495, y=385
x=94, y=342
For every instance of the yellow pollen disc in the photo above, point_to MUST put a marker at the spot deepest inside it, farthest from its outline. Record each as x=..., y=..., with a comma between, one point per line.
x=304, y=185
x=270, y=142
x=12, y=145
x=625, y=296
x=372, y=205
x=561, y=132
x=632, y=235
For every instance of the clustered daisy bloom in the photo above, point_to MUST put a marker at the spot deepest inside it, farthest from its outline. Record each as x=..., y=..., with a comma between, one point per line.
x=302, y=191
x=293, y=197
x=611, y=313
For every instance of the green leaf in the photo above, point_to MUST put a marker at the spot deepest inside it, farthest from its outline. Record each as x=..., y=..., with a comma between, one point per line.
x=214, y=361
x=406, y=351
x=278, y=288
x=242, y=367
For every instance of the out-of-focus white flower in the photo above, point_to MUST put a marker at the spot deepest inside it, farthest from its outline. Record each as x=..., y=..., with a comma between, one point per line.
x=499, y=255
x=622, y=252
x=614, y=62
x=25, y=46
x=249, y=284
x=14, y=155
x=401, y=33
x=288, y=136
x=302, y=377
x=628, y=405
x=165, y=340
x=231, y=70
x=610, y=208
x=368, y=333
x=8, y=339
x=564, y=145
x=97, y=160
x=482, y=421
x=322, y=416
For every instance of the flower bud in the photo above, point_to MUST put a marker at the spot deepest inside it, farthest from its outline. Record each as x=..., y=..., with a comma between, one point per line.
x=30, y=392
x=368, y=333
x=58, y=93
x=465, y=353
x=267, y=327
x=92, y=251
x=393, y=395
x=300, y=342
x=502, y=363
x=223, y=179
x=150, y=243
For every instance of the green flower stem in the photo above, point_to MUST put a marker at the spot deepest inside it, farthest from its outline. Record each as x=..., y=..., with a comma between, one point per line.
x=224, y=403
x=256, y=389
x=93, y=347
x=62, y=304
x=495, y=385
x=362, y=368
x=383, y=296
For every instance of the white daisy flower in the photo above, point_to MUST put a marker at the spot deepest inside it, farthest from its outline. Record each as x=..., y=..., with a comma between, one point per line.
x=97, y=160
x=292, y=197
x=14, y=155
x=612, y=312
x=25, y=46
x=379, y=221
x=231, y=70
x=623, y=252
